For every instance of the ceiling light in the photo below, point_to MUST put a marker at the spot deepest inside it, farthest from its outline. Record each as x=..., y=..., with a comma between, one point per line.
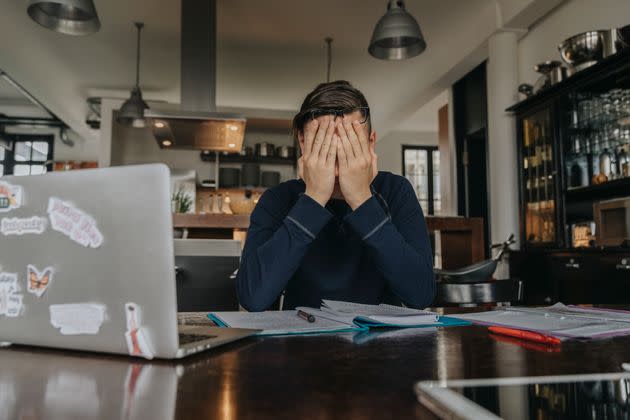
x=396, y=35
x=131, y=113
x=71, y=17
x=167, y=143
x=234, y=128
x=231, y=145
x=160, y=124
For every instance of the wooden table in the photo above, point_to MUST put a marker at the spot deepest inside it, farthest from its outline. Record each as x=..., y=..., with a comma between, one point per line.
x=326, y=376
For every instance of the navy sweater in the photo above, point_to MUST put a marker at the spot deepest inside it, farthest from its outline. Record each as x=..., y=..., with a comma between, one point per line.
x=377, y=253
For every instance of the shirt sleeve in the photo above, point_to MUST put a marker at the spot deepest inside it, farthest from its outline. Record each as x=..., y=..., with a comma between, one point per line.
x=399, y=244
x=274, y=248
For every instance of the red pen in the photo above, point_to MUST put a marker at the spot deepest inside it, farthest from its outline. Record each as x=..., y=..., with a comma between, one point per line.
x=525, y=335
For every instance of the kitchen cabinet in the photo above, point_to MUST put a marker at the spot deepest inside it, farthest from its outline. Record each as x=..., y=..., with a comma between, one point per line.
x=572, y=140
x=596, y=276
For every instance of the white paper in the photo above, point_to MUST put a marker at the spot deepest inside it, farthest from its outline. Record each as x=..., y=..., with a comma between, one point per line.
x=567, y=322
x=10, y=301
x=137, y=338
x=77, y=318
x=10, y=196
x=21, y=226
x=74, y=223
x=280, y=322
x=386, y=314
x=37, y=282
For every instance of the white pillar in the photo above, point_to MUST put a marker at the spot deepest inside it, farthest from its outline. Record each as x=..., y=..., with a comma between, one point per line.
x=502, y=75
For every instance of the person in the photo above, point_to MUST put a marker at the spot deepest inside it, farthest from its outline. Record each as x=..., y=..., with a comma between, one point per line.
x=343, y=230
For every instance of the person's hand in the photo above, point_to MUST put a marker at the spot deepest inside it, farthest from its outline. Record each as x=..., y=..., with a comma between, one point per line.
x=357, y=163
x=317, y=164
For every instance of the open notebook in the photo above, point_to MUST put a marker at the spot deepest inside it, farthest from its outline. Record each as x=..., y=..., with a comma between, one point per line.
x=334, y=316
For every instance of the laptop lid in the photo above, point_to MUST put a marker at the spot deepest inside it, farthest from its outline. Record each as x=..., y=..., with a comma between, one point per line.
x=87, y=261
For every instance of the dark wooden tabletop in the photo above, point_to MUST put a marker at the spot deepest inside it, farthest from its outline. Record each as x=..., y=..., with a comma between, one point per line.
x=327, y=376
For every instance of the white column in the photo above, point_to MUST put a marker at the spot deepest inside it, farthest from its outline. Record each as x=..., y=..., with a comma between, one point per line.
x=502, y=75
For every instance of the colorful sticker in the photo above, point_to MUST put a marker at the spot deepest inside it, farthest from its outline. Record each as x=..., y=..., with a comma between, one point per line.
x=136, y=335
x=10, y=299
x=77, y=318
x=21, y=226
x=74, y=223
x=38, y=281
x=10, y=196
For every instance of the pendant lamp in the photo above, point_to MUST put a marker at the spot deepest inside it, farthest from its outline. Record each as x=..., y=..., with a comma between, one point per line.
x=397, y=35
x=72, y=17
x=131, y=113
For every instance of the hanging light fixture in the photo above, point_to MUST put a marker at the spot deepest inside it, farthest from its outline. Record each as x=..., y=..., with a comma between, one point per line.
x=396, y=35
x=131, y=113
x=71, y=17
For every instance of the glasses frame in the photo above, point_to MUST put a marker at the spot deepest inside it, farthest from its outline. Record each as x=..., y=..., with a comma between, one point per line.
x=310, y=114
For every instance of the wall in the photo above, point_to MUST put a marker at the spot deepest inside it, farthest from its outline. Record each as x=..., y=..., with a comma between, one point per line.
x=389, y=148
x=571, y=18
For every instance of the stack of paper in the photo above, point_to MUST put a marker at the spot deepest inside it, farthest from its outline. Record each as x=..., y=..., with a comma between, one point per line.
x=334, y=316
x=558, y=320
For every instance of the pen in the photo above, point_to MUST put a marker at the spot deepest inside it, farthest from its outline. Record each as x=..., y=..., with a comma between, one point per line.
x=525, y=335
x=305, y=316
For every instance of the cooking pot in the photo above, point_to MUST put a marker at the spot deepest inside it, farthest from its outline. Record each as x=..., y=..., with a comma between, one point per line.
x=287, y=152
x=264, y=149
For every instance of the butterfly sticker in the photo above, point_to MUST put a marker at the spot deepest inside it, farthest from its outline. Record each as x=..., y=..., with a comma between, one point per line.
x=38, y=281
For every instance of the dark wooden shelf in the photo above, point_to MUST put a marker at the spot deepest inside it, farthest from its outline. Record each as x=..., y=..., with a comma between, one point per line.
x=610, y=189
x=619, y=62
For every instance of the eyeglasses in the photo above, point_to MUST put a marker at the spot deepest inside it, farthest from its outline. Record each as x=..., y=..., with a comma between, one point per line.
x=312, y=114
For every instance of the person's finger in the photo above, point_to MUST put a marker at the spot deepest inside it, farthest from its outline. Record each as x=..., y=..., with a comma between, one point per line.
x=362, y=138
x=342, y=157
x=352, y=136
x=320, y=136
x=332, y=151
x=323, y=153
x=310, y=129
x=345, y=142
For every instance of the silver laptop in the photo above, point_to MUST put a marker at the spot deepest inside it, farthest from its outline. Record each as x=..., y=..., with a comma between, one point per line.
x=87, y=263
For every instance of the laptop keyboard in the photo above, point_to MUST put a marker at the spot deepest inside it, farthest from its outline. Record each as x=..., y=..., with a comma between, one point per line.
x=192, y=338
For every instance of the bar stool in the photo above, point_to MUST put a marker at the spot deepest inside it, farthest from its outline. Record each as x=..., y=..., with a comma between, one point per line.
x=473, y=285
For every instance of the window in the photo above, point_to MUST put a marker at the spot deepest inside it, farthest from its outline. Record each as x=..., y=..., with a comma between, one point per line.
x=29, y=154
x=421, y=166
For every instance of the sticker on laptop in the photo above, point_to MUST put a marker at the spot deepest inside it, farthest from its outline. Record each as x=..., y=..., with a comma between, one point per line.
x=136, y=335
x=10, y=196
x=38, y=281
x=77, y=318
x=22, y=226
x=74, y=223
x=10, y=300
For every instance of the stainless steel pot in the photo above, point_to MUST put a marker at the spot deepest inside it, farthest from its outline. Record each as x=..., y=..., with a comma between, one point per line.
x=247, y=151
x=585, y=49
x=287, y=152
x=265, y=149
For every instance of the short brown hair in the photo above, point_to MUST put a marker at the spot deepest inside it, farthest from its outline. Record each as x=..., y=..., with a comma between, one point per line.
x=332, y=95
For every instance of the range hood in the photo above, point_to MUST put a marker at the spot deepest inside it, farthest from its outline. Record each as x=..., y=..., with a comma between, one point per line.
x=198, y=126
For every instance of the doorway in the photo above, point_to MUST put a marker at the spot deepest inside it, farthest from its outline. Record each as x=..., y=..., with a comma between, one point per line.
x=475, y=162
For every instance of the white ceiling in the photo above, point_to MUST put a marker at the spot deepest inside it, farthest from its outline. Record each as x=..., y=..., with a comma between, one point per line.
x=270, y=54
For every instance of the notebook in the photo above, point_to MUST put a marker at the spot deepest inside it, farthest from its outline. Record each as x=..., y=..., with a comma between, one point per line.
x=334, y=316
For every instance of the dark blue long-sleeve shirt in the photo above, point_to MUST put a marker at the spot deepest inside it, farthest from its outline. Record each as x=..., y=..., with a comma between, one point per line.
x=380, y=250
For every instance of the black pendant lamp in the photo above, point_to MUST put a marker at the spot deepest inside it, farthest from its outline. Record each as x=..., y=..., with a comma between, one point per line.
x=397, y=35
x=72, y=17
x=131, y=113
